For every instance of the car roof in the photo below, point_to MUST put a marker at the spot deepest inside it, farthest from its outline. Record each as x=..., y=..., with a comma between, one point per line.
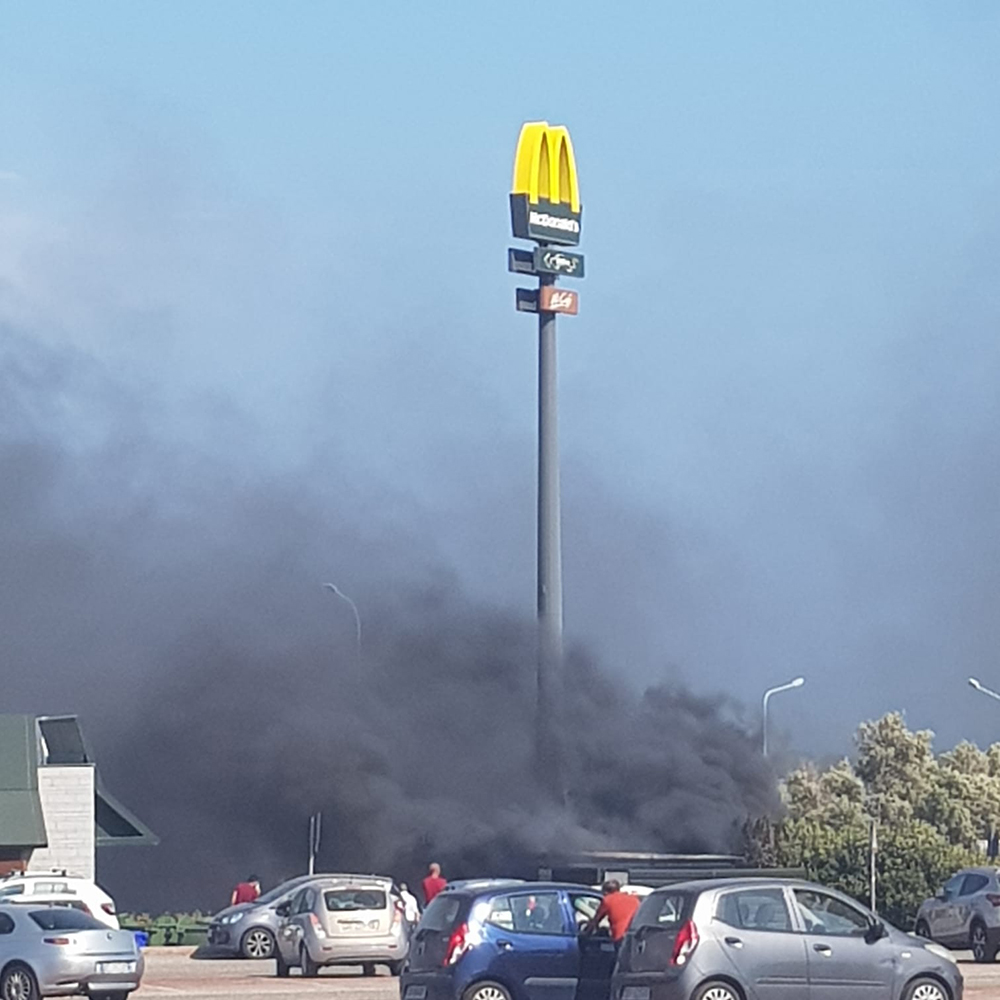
x=711, y=884
x=485, y=887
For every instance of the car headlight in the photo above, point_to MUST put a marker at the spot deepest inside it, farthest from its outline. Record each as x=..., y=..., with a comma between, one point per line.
x=231, y=918
x=940, y=951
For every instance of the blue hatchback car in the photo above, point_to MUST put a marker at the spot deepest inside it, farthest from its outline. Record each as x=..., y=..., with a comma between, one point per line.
x=509, y=941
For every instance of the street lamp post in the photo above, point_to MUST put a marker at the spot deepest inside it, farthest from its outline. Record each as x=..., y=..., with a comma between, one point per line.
x=973, y=683
x=797, y=683
x=337, y=592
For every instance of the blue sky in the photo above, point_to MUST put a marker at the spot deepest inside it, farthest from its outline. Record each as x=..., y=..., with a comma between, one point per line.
x=777, y=401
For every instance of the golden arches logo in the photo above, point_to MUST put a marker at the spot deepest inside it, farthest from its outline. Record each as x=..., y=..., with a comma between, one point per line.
x=545, y=195
x=544, y=165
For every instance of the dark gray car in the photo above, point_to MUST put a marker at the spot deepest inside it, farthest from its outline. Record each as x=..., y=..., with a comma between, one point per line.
x=763, y=939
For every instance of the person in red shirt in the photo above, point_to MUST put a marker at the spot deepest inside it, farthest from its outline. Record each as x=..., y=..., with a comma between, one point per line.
x=619, y=908
x=433, y=884
x=246, y=892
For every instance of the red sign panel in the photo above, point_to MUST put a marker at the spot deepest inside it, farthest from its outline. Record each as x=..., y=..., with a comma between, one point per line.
x=558, y=300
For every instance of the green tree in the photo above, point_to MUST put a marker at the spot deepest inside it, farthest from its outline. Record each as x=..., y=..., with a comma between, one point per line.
x=931, y=813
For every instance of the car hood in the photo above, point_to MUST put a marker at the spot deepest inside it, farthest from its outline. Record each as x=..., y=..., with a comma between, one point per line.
x=238, y=908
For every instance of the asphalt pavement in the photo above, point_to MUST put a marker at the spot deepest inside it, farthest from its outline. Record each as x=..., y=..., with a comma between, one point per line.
x=171, y=972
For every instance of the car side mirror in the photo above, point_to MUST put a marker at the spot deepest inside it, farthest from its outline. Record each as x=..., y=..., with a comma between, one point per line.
x=876, y=931
x=283, y=909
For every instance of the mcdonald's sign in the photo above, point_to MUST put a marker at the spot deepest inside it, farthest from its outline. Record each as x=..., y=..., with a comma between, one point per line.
x=545, y=196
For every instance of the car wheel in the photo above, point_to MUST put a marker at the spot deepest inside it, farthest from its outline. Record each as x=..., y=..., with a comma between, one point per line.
x=368, y=969
x=716, y=991
x=281, y=967
x=925, y=989
x=309, y=968
x=486, y=991
x=922, y=930
x=18, y=983
x=258, y=942
x=979, y=942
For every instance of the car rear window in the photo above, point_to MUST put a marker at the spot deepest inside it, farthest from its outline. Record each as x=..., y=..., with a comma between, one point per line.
x=64, y=919
x=341, y=900
x=666, y=910
x=442, y=913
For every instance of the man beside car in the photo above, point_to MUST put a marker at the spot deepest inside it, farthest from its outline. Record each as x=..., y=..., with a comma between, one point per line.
x=433, y=884
x=618, y=907
x=246, y=892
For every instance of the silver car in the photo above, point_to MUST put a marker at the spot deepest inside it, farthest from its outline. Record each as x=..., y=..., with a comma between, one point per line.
x=251, y=929
x=60, y=951
x=965, y=913
x=773, y=939
x=354, y=920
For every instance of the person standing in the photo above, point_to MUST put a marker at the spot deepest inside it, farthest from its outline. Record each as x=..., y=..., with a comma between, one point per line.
x=246, y=892
x=411, y=909
x=619, y=908
x=433, y=884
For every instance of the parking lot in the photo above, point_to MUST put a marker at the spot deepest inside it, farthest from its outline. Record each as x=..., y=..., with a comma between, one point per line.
x=170, y=972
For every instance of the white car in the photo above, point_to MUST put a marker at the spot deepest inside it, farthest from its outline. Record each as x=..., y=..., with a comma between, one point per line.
x=58, y=888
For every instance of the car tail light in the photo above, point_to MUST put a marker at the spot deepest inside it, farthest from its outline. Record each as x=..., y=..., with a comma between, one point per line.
x=57, y=940
x=109, y=908
x=458, y=944
x=397, y=914
x=317, y=926
x=86, y=909
x=994, y=898
x=684, y=946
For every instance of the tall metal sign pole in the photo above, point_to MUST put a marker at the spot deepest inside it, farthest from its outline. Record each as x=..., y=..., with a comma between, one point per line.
x=545, y=208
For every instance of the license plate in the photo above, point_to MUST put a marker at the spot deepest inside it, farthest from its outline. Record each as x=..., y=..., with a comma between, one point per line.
x=415, y=993
x=635, y=993
x=115, y=968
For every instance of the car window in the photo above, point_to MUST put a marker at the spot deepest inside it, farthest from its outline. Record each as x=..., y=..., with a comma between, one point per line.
x=661, y=909
x=52, y=889
x=298, y=904
x=6, y=923
x=973, y=883
x=585, y=908
x=953, y=886
x=825, y=914
x=530, y=913
x=12, y=890
x=754, y=910
x=355, y=899
x=65, y=919
x=442, y=914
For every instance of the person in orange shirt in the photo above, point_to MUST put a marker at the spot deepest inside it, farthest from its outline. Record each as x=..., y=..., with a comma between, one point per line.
x=619, y=908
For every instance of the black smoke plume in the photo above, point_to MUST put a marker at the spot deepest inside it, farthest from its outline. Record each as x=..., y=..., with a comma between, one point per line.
x=172, y=598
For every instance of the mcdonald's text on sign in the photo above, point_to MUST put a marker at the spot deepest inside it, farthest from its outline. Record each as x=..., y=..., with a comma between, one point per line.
x=558, y=300
x=545, y=195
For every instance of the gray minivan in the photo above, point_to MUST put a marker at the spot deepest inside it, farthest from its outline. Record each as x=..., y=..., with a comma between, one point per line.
x=773, y=939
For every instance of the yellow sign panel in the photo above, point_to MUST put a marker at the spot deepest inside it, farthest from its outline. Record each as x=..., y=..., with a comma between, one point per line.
x=545, y=195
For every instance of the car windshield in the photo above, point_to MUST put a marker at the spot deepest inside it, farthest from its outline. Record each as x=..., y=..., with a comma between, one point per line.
x=663, y=910
x=340, y=900
x=442, y=914
x=280, y=890
x=65, y=919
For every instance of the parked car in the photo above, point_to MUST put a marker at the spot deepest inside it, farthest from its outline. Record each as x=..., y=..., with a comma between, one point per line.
x=965, y=913
x=343, y=920
x=251, y=929
x=46, y=887
x=509, y=941
x=768, y=939
x=60, y=951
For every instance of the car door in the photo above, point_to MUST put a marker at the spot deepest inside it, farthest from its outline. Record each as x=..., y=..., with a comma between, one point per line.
x=941, y=916
x=843, y=963
x=536, y=948
x=963, y=906
x=293, y=930
x=597, y=951
x=767, y=952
